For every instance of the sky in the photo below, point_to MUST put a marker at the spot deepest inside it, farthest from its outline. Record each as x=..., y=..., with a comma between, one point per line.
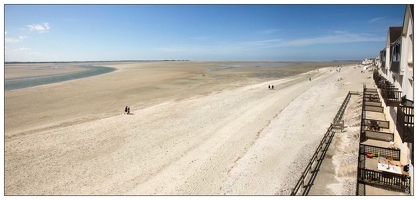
x=109, y=32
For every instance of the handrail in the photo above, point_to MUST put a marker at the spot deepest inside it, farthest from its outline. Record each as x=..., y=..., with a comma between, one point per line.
x=384, y=152
x=311, y=162
x=323, y=142
x=384, y=180
x=337, y=119
x=405, y=123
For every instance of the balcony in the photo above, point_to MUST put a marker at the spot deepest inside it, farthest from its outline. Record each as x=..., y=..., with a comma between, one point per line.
x=377, y=77
x=379, y=165
x=405, y=123
x=383, y=65
x=395, y=67
x=392, y=96
x=369, y=174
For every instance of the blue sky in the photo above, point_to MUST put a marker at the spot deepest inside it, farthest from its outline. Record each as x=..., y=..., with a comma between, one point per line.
x=197, y=32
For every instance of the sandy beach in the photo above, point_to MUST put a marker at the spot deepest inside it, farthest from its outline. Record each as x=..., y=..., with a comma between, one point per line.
x=191, y=131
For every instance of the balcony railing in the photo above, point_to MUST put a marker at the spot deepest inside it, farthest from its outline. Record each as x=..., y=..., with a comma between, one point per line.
x=391, y=96
x=377, y=77
x=395, y=67
x=405, y=123
x=386, y=180
x=384, y=152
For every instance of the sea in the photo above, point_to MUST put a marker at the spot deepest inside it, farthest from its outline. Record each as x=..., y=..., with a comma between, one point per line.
x=14, y=84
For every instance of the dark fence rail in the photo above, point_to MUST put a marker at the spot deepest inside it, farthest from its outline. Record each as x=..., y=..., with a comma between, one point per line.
x=361, y=188
x=326, y=140
x=321, y=150
x=384, y=152
x=338, y=122
x=369, y=123
x=377, y=77
x=384, y=180
x=405, y=123
x=392, y=97
x=382, y=136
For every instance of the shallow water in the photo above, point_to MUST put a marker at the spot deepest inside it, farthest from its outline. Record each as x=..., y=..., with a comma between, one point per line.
x=261, y=64
x=20, y=83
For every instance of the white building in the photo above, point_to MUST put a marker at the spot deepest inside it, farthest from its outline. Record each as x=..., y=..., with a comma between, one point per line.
x=396, y=67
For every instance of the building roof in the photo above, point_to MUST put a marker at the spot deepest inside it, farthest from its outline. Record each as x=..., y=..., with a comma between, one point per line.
x=411, y=6
x=394, y=33
x=409, y=15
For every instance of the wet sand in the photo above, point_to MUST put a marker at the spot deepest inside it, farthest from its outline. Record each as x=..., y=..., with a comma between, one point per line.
x=191, y=132
x=26, y=70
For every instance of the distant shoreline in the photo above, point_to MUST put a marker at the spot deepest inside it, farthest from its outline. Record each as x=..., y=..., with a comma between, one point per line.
x=286, y=68
x=111, y=61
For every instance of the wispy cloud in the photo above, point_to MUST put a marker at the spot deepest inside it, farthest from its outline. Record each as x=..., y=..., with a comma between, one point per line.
x=261, y=43
x=15, y=40
x=376, y=19
x=269, y=31
x=241, y=47
x=333, y=39
x=40, y=28
x=11, y=40
x=18, y=51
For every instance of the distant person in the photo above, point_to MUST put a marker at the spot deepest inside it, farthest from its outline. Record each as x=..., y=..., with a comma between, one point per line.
x=126, y=109
x=272, y=87
x=269, y=87
x=309, y=79
x=129, y=110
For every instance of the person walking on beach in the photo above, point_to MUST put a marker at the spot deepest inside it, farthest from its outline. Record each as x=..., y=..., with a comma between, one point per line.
x=272, y=87
x=269, y=87
x=126, y=109
x=129, y=110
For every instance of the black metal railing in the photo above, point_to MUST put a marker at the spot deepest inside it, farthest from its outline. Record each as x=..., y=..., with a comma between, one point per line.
x=376, y=125
x=386, y=180
x=361, y=188
x=311, y=170
x=392, y=96
x=389, y=181
x=382, y=136
x=377, y=77
x=338, y=122
x=384, y=152
x=363, y=113
x=405, y=123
